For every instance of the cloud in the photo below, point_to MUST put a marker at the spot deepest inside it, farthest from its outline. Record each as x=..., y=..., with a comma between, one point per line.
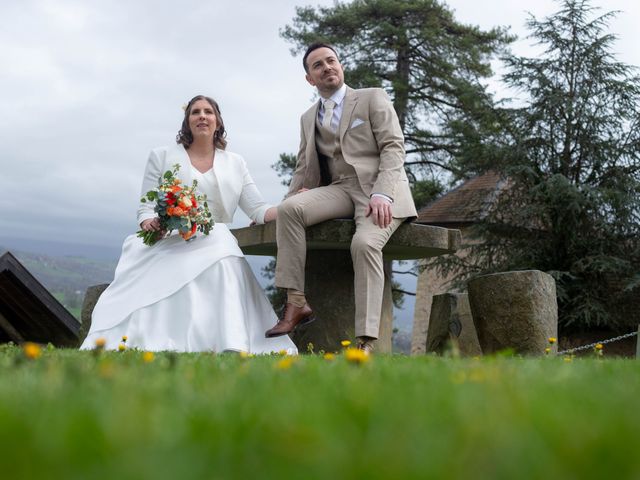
x=87, y=89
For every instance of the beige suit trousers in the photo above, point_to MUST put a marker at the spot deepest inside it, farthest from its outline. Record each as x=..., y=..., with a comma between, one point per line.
x=341, y=199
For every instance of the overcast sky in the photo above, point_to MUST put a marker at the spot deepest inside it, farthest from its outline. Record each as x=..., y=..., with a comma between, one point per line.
x=88, y=88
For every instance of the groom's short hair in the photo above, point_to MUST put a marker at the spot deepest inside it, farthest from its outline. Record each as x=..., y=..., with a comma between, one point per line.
x=311, y=48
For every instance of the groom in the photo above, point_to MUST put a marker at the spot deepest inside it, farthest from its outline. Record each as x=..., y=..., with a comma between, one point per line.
x=350, y=164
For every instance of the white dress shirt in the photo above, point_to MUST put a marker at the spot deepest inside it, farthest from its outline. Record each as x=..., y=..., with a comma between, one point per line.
x=338, y=97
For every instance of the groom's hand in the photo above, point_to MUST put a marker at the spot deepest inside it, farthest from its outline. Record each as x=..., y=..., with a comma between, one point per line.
x=380, y=210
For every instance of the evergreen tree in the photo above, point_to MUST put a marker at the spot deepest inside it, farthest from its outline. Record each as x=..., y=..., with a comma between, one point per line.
x=431, y=65
x=572, y=159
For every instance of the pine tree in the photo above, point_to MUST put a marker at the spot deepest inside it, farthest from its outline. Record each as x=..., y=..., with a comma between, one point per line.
x=572, y=157
x=431, y=65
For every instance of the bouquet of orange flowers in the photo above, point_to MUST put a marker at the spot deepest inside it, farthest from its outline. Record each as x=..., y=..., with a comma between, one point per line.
x=178, y=207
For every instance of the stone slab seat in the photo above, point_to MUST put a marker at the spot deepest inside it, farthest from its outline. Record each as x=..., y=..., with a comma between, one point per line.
x=329, y=273
x=411, y=241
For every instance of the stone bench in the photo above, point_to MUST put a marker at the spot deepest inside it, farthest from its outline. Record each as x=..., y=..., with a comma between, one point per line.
x=329, y=273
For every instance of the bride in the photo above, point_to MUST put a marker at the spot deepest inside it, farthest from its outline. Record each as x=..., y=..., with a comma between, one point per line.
x=199, y=295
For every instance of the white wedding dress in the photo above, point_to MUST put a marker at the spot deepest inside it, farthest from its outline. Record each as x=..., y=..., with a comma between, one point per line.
x=193, y=296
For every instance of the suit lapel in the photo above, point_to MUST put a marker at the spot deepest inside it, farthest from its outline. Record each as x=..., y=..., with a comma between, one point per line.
x=350, y=101
x=310, y=123
x=312, y=172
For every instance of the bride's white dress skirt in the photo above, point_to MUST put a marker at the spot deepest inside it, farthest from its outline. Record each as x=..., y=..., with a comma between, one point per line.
x=191, y=296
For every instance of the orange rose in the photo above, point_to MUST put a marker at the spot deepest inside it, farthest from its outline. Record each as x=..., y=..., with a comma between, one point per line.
x=178, y=212
x=185, y=202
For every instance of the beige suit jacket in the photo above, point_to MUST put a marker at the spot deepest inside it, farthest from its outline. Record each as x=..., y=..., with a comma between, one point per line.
x=371, y=141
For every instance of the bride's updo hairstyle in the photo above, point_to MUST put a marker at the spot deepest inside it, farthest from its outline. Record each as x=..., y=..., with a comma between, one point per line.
x=185, y=137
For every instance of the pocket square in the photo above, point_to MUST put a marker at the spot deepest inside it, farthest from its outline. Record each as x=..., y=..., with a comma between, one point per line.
x=357, y=122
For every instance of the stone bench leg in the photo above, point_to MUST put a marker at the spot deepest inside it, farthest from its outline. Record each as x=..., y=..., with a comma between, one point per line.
x=515, y=310
x=451, y=322
x=91, y=297
x=329, y=290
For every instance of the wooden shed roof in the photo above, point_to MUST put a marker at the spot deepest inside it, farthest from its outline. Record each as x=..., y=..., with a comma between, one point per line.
x=28, y=312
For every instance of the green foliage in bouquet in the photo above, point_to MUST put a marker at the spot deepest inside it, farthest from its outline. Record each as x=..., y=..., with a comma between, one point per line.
x=178, y=207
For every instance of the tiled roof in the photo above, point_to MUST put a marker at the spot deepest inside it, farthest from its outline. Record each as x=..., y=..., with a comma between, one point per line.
x=465, y=204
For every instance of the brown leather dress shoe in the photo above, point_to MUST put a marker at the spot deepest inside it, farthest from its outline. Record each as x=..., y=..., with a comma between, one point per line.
x=292, y=317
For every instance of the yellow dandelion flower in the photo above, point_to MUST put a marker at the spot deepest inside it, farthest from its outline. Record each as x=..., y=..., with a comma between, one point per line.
x=547, y=350
x=345, y=343
x=244, y=355
x=282, y=352
x=552, y=340
x=355, y=355
x=31, y=350
x=284, y=363
x=599, y=346
x=124, y=339
x=329, y=356
x=147, y=357
x=101, y=342
x=122, y=347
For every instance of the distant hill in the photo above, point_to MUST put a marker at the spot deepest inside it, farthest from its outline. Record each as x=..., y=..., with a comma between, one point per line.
x=66, y=277
x=60, y=274
x=59, y=249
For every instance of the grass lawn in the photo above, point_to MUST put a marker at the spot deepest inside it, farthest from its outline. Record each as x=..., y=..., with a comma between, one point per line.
x=76, y=415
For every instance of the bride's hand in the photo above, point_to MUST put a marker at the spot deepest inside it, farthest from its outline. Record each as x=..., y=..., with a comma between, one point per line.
x=271, y=214
x=151, y=225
